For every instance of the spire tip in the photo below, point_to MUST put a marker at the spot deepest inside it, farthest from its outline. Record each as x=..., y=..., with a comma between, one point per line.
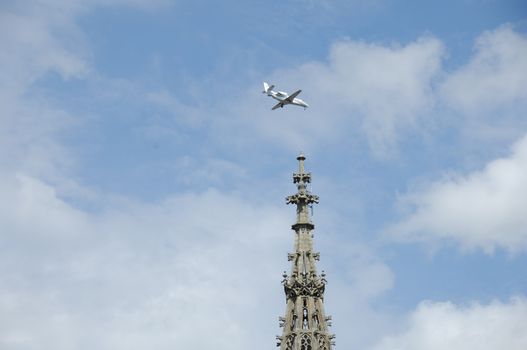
x=301, y=156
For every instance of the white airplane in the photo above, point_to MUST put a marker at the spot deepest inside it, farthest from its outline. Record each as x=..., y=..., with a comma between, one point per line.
x=283, y=98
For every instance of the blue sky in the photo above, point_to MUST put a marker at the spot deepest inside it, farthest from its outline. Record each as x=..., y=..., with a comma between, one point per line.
x=143, y=173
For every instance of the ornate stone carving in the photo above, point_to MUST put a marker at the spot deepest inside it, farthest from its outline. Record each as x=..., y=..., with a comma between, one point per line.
x=304, y=286
x=305, y=325
x=298, y=198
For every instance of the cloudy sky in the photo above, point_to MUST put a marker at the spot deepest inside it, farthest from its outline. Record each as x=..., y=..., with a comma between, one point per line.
x=143, y=174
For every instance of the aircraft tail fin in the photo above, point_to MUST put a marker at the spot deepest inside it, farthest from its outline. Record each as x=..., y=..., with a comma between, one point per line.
x=267, y=88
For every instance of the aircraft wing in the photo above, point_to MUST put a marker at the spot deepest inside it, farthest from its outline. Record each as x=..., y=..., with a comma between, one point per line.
x=291, y=97
x=278, y=105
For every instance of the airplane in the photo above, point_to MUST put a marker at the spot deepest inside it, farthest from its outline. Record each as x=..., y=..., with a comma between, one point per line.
x=283, y=98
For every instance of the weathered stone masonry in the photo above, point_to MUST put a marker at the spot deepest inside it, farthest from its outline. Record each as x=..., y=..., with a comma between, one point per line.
x=305, y=324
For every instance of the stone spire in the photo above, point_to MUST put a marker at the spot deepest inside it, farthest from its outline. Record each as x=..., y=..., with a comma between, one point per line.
x=305, y=323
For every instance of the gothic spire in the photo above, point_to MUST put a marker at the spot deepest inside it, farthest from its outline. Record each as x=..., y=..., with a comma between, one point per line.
x=305, y=325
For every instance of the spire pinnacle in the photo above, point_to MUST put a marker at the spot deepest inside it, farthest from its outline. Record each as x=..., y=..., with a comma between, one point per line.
x=303, y=198
x=301, y=178
x=305, y=324
x=301, y=159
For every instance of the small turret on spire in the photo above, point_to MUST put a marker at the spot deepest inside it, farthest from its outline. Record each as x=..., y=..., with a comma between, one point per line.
x=303, y=198
x=301, y=176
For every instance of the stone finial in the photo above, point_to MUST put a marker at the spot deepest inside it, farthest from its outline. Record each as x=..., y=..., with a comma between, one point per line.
x=301, y=159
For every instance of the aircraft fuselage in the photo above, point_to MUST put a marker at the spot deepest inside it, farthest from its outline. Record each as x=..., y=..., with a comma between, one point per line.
x=282, y=96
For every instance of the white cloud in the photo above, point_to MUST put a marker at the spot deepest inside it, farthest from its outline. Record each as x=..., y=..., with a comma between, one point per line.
x=212, y=171
x=365, y=276
x=484, y=209
x=36, y=39
x=439, y=326
x=157, y=275
x=388, y=87
x=357, y=278
x=495, y=76
x=39, y=38
x=131, y=275
x=138, y=274
x=383, y=90
x=487, y=96
x=181, y=113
